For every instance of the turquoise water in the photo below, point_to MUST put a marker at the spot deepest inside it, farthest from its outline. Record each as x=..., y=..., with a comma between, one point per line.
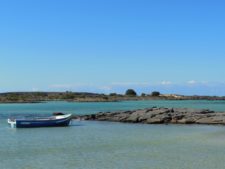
x=106, y=145
x=87, y=108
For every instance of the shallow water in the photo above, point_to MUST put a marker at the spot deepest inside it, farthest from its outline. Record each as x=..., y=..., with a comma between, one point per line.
x=107, y=145
x=102, y=145
x=87, y=108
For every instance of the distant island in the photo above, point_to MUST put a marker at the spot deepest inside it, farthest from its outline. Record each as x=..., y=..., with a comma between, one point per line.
x=130, y=94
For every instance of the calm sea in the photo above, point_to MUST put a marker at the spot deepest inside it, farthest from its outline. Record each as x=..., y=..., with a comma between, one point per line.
x=107, y=145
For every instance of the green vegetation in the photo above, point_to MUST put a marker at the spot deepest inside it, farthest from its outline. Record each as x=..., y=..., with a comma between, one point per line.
x=44, y=96
x=35, y=97
x=68, y=96
x=143, y=94
x=113, y=94
x=130, y=92
x=155, y=93
x=13, y=97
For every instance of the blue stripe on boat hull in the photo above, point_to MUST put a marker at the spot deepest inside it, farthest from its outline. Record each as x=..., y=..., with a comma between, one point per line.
x=47, y=123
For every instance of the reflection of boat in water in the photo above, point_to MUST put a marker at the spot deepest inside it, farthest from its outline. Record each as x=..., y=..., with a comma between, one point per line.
x=53, y=121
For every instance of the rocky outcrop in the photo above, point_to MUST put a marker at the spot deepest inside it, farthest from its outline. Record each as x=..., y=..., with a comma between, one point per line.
x=160, y=116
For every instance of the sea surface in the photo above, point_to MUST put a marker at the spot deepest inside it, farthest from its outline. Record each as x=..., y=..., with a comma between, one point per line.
x=108, y=145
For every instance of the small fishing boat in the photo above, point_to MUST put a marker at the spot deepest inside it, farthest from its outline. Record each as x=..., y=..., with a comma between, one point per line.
x=53, y=121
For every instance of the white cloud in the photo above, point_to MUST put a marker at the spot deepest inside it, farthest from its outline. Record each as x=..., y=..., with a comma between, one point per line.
x=61, y=86
x=105, y=88
x=192, y=82
x=166, y=83
x=130, y=84
x=34, y=89
x=75, y=85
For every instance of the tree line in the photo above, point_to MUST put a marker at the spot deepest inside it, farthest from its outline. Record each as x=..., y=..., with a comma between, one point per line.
x=132, y=92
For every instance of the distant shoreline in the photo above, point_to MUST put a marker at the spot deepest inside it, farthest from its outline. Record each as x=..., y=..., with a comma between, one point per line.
x=39, y=97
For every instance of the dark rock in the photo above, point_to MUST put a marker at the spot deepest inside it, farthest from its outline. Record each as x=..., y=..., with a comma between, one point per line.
x=57, y=114
x=161, y=115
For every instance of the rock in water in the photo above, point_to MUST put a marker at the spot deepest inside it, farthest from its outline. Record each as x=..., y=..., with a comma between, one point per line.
x=57, y=114
x=161, y=116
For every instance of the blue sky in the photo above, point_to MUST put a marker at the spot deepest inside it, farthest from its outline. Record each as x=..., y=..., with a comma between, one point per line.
x=108, y=46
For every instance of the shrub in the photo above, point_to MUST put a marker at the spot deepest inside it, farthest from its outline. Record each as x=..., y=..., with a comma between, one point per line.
x=112, y=94
x=143, y=94
x=155, y=93
x=130, y=92
x=68, y=95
